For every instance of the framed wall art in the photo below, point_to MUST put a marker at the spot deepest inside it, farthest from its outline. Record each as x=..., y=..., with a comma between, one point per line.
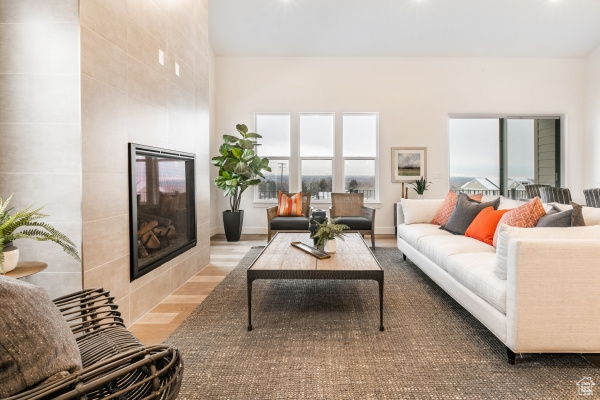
x=409, y=163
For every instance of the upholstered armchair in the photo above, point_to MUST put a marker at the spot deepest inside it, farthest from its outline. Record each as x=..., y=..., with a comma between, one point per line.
x=289, y=224
x=349, y=209
x=555, y=195
x=533, y=190
x=592, y=197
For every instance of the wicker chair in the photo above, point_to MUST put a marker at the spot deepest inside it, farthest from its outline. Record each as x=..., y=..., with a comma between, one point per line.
x=592, y=197
x=533, y=190
x=349, y=209
x=289, y=224
x=115, y=364
x=555, y=195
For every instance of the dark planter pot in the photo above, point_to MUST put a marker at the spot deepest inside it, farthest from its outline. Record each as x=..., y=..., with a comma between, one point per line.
x=232, y=221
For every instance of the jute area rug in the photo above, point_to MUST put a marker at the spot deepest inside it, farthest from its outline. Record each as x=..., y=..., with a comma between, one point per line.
x=320, y=339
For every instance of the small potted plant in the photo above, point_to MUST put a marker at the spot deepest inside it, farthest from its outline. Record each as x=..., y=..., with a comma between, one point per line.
x=40, y=231
x=420, y=186
x=326, y=234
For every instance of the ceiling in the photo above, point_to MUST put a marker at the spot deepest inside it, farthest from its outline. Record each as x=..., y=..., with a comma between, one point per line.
x=404, y=28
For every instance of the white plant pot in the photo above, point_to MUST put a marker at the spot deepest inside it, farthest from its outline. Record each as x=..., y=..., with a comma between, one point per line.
x=11, y=258
x=419, y=196
x=330, y=246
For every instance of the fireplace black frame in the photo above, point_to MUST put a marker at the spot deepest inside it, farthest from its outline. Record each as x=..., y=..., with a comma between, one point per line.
x=138, y=149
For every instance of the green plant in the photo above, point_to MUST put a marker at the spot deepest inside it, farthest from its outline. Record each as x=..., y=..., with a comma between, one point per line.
x=328, y=230
x=420, y=186
x=40, y=231
x=239, y=166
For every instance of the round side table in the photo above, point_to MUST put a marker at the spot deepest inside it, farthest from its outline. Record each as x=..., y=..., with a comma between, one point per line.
x=26, y=268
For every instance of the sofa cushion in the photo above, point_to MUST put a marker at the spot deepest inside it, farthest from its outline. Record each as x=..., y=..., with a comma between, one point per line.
x=439, y=248
x=289, y=223
x=465, y=212
x=484, y=225
x=525, y=216
x=355, y=223
x=506, y=233
x=419, y=211
x=412, y=233
x=475, y=271
x=36, y=342
x=443, y=214
x=590, y=215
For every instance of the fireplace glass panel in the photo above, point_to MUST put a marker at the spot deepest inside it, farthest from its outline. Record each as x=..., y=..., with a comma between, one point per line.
x=162, y=207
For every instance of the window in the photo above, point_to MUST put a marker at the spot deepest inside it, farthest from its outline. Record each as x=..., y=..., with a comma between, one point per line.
x=360, y=144
x=316, y=154
x=275, y=145
x=501, y=155
x=312, y=156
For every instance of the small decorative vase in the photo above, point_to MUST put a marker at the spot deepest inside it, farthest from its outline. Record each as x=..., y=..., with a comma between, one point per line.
x=419, y=196
x=11, y=257
x=330, y=246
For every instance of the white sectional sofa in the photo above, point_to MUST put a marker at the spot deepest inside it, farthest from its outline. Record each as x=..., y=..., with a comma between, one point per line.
x=550, y=298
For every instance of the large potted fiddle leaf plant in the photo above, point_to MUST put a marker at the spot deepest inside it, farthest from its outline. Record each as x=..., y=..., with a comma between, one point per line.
x=239, y=168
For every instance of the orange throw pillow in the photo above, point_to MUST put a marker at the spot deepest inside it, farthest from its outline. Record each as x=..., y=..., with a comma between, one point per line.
x=443, y=214
x=525, y=216
x=484, y=225
x=289, y=206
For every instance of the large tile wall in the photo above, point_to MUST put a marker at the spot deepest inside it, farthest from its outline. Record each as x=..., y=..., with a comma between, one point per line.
x=40, y=127
x=127, y=96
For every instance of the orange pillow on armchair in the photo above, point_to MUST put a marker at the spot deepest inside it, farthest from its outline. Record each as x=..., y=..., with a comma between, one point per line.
x=289, y=206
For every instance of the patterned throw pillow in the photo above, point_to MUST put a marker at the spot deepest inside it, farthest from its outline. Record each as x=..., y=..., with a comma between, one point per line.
x=525, y=216
x=289, y=206
x=443, y=214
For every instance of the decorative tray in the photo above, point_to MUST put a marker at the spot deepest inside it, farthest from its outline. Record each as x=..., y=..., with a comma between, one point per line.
x=311, y=250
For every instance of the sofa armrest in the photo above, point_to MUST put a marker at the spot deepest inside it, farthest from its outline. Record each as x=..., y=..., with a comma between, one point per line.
x=553, y=295
x=399, y=214
x=368, y=213
x=271, y=213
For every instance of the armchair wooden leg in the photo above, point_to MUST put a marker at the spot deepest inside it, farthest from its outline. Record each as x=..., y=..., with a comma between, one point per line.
x=373, y=240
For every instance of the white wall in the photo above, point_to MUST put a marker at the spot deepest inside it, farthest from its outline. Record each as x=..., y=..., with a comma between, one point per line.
x=413, y=96
x=592, y=120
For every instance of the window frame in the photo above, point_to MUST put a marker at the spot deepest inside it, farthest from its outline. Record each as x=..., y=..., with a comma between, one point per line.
x=503, y=144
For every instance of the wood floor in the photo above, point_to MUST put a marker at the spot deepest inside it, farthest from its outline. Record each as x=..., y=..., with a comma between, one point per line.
x=163, y=319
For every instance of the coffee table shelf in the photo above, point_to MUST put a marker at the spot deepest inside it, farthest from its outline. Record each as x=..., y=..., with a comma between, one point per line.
x=353, y=260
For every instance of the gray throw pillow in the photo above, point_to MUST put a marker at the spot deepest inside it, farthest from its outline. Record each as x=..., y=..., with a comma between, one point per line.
x=555, y=219
x=465, y=212
x=577, y=217
x=36, y=342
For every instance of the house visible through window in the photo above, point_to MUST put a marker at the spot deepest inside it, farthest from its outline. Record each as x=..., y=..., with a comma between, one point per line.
x=501, y=155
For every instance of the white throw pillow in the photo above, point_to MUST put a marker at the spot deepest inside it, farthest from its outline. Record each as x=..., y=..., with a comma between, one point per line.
x=420, y=211
x=506, y=232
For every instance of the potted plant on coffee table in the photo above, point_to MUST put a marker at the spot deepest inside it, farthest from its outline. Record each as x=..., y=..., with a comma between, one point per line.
x=26, y=224
x=239, y=168
x=420, y=186
x=326, y=234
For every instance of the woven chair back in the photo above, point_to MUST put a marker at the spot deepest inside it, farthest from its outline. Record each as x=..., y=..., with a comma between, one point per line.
x=347, y=204
x=533, y=190
x=555, y=195
x=592, y=197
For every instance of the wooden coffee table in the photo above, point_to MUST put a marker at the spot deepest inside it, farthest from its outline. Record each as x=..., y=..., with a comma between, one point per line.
x=280, y=260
